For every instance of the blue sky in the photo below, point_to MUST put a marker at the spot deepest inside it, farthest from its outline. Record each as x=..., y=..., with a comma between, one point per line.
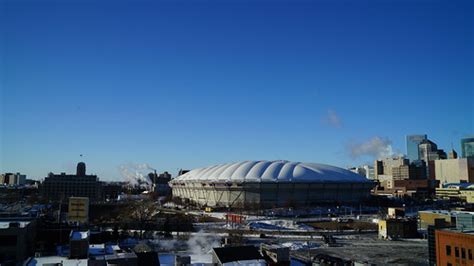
x=184, y=84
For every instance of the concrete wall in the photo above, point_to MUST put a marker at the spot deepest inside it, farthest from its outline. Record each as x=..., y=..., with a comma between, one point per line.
x=454, y=170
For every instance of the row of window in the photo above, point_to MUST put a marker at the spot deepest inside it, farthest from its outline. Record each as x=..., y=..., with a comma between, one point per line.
x=456, y=252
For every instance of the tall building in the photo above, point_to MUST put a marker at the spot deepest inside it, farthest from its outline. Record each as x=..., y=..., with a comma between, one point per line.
x=411, y=171
x=429, y=152
x=62, y=186
x=358, y=170
x=364, y=170
x=397, y=177
x=454, y=171
x=467, y=147
x=452, y=154
x=412, y=146
x=11, y=179
x=386, y=166
x=369, y=171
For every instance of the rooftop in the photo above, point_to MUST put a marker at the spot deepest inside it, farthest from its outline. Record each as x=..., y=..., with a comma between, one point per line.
x=271, y=171
x=458, y=230
x=79, y=235
x=446, y=212
x=11, y=224
x=239, y=253
x=56, y=260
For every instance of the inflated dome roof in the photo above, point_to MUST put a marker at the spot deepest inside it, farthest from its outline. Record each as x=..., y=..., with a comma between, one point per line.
x=271, y=171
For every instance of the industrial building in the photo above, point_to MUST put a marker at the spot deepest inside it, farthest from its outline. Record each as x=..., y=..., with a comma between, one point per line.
x=160, y=183
x=267, y=184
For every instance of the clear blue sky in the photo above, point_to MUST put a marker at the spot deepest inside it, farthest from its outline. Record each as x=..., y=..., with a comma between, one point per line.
x=184, y=84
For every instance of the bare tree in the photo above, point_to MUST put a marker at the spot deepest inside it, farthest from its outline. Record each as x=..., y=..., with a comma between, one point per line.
x=142, y=213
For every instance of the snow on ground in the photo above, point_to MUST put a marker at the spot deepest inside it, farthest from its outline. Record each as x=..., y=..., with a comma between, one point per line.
x=300, y=245
x=280, y=224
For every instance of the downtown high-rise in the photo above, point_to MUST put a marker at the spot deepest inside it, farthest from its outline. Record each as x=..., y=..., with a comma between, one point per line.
x=413, y=141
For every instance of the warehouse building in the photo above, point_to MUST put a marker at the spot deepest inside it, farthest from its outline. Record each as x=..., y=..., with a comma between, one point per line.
x=267, y=184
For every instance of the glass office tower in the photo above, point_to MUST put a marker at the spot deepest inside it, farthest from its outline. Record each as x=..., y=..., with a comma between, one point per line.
x=412, y=146
x=467, y=147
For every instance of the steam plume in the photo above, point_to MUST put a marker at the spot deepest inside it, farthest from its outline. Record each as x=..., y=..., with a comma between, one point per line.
x=376, y=147
x=136, y=174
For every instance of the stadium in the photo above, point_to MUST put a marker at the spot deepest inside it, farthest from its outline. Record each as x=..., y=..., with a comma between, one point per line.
x=269, y=184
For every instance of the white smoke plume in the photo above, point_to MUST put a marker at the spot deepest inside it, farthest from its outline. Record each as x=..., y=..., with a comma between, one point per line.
x=136, y=174
x=376, y=147
x=200, y=245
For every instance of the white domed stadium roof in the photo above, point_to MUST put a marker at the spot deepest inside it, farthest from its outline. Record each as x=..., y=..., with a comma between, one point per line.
x=271, y=171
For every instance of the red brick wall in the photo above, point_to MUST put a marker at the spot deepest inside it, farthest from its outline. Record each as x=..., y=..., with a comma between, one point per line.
x=460, y=244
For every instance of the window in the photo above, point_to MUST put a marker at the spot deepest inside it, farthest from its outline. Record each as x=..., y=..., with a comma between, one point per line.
x=456, y=252
x=463, y=253
x=469, y=254
x=449, y=264
x=448, y=250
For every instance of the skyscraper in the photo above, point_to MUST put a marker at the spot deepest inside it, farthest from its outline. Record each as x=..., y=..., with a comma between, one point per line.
x=412, y=146
x=467, y=147
x=429, y=152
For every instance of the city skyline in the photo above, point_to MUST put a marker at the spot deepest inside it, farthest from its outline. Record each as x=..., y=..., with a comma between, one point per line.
x=185, y=85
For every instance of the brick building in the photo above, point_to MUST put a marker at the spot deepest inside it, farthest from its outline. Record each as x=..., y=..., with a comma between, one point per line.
x=454, y=247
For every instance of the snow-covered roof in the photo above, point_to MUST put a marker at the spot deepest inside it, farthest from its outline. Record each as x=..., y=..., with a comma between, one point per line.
x=459, y=185
x=260, y=262
x=79, y=235
x=8, y=224
x=56, y=260
x=271, y=171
